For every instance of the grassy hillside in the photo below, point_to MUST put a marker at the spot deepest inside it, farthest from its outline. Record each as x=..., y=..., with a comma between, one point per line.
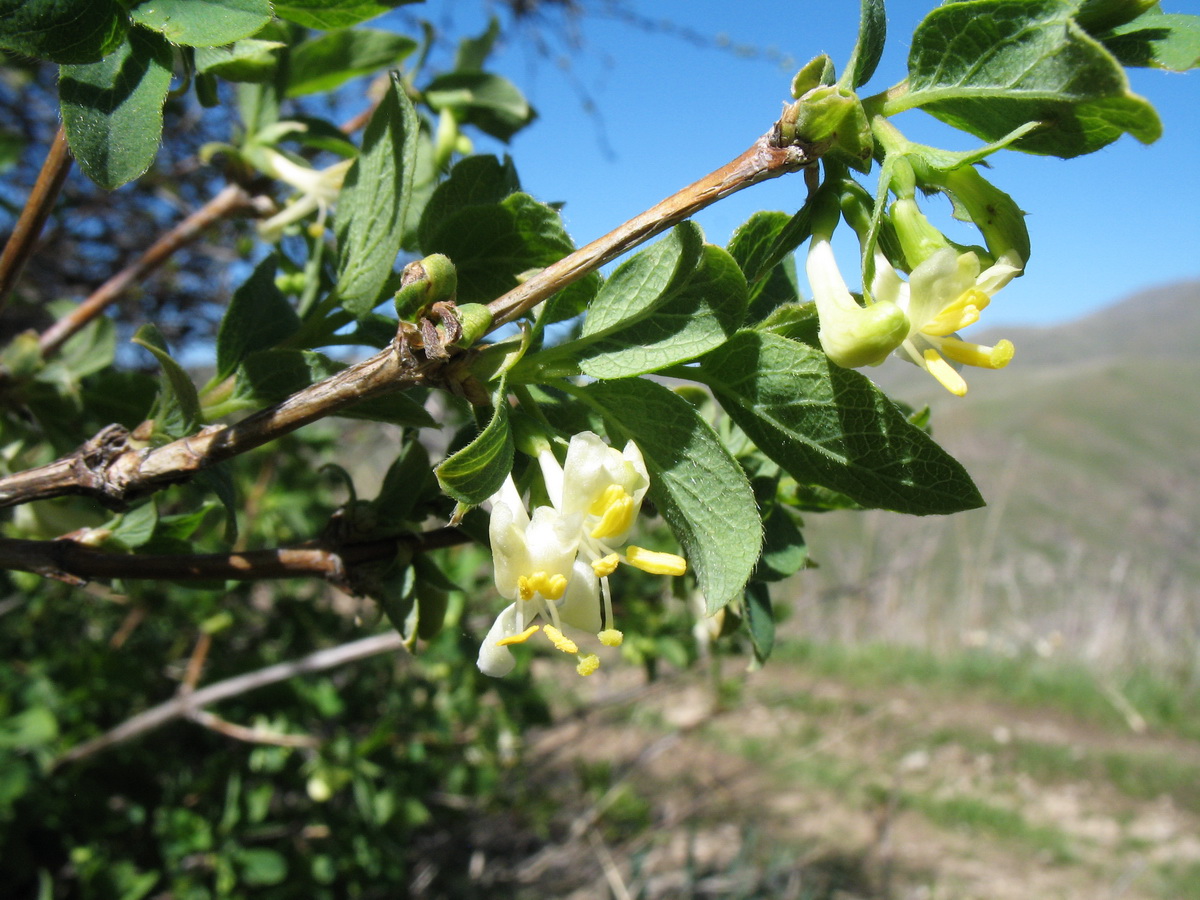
x=1087, y=449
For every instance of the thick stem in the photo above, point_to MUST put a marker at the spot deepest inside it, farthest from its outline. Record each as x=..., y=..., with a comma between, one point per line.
x=33, y=217
x=765, y=159
x=230, y=200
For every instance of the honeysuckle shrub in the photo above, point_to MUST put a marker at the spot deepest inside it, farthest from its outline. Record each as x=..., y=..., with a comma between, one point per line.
x=225, y=671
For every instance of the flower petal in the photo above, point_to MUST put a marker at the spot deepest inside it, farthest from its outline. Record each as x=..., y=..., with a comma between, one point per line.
x=495, y=659
x=580, y=607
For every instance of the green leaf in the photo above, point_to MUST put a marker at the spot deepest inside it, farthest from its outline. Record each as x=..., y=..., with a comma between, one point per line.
x=476, y=181
x=330, y=60
x=683, y=324
x=63, y=31
x=258, y=318
x=831, y=426
x=402, y=485
x=491, y=103
x=203, y=23
x=784, y=550
x=699, y=489
x=760, y=619
x=473, y=52
x=247, y=60
x=218, y=480
x=797, y=321
x=991, y=66
x=1162, y=41
x=647, y=280
x=371, y=206
x=176, y=410
x=771, y=281
x=89, y=350
x=27, y=729
x=872, y=33
x=112, y=109
x=476, y=471
x=134, y=528
x=262, y=866
x=326, y=15
x=493, y=245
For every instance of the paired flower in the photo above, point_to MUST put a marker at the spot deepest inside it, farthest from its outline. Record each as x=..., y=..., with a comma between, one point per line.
x=318, y=189
x=554, y=565
x=918, y=319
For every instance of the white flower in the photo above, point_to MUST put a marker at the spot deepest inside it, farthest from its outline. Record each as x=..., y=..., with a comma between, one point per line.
x=555, y=565
x=318, y=189
x=945, y=294
x=534, y=561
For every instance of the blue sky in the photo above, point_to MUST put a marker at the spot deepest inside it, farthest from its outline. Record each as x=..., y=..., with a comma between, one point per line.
x=670, y=111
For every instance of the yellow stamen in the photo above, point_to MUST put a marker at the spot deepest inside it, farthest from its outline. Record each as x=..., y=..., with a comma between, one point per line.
x=518, y=638
x=588, y=664
x=616, y=510
x=958, y=314
x=610, y=637
x=978, y=355
x=606, y=565
x=655, y=563
x=549, y=586
x=944, y=373
x=563, y=643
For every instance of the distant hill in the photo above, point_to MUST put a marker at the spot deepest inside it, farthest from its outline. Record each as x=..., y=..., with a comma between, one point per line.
x=1087, y=448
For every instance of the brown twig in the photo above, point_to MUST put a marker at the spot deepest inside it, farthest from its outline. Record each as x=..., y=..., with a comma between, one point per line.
x=195, y=666
x=113, y=471
x=251, y=735
x=230, y=200
x=767, y=158
x=185, y=705
x=33, y=217
x=72, y=561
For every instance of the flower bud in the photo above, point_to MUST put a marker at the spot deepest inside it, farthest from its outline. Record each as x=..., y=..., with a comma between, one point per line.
x=475, y=320
x=423, y=283
x=919, y=238
x=831, y=119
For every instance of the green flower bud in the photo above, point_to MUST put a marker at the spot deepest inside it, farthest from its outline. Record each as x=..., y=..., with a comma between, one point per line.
x=919, y=238
x=445, y=139
x=832, y=119
x=476, y=321
x=423, y=283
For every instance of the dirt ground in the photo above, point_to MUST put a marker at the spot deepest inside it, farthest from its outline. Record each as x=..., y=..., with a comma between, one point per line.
x=804, y=787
